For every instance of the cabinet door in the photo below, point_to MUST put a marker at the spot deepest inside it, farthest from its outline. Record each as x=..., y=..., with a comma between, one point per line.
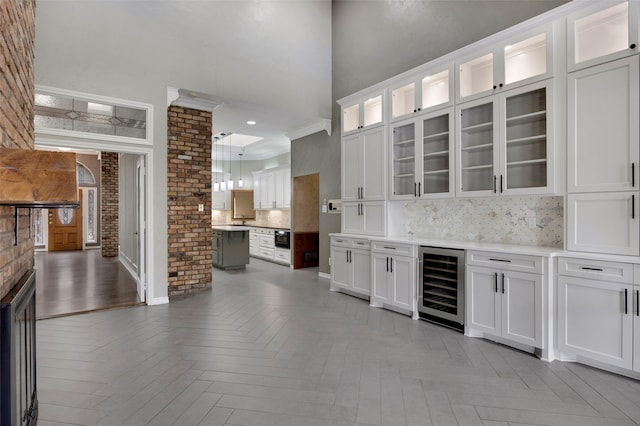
x=278, y=186
x=267, y=190
x=286, y=191
x=434, y=162
x=636, y=329
x=592, y=320
x=361, y=264
x=220, y=200
x=340, y=268
x=601, y=33
x=352, y=220
x=476, y=76
x=403, y=100
x=373, y=164
x=257, y=191
x=403, y=282
x=604, y=223
x=526, y=134
x=404, y=184
x=522, y=308
x=477, y=148
x=603, y=140
x=483, y=300
x=374, y=218
x=351, y=181
x=380, y=291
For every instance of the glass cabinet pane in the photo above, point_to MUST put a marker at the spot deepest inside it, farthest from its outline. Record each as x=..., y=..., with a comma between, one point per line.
x=404, y=160
x=602, y=33
x=525, y=59
x=373, y=111
x=435, y=89
x=476, y=148
x=350, y=118
x=435, y=153
x=526, y=140
x=403, y=100
x=476, y=76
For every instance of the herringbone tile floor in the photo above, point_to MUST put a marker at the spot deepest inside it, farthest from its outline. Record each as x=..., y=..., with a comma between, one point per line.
x=273, y=347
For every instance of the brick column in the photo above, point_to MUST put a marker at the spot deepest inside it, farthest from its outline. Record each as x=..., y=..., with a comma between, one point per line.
x=188, y=185
x=110, y=237
x=17, y=87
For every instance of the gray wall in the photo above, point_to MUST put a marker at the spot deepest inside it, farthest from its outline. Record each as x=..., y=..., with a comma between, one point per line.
x=375, y=40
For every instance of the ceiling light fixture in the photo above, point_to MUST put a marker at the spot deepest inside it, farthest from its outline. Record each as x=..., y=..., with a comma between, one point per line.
x=230, y=181
x=216, y=185
x=240, y=181
x=251, y=123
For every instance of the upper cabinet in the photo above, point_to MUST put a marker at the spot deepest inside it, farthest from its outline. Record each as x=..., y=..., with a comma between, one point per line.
x=505, y=143
x=429, y=90
x=517, y=62
x=602, y=32
x=363, y=113
x=363, y=165
x=272, y=189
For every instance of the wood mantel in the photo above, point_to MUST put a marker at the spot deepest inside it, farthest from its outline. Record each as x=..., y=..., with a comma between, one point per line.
x=38, y=178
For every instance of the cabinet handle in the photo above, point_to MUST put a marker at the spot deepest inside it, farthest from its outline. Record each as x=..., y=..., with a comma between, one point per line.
x=633, y=175
x=502, y=283
x=495, y=275
x=632, y=46
x=419, y=188
x=347, y=253
x=389, y=248
x=494, y=184
x=633, y=206
x=415, y=187
x=391, y=265
x=501, y=182
x=586, y=268
x=350, y=256
x=638, y=303
x=625, y=301
x=499, y=260
x=387, y=263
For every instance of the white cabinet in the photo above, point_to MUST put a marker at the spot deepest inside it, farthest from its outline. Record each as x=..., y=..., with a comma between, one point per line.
x=603, y=132
x=505, y=143
x=272, y=189
x=364, y=165
x=394, y=276
x=604, y=222
x=519, y=61
x=595, y=314
x=603, y=32
x=220, y=200
x=351, y=265
x=427, y=91
x=369, y=218
x=503, y=301
x=636, y=328
x=363, y=112
x=422, y=156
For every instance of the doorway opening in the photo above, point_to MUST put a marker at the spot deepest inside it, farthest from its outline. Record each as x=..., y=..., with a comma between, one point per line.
x=306, y=221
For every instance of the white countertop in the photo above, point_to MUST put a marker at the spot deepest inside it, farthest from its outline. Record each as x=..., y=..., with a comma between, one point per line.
x=230, y=228
x=496, y=247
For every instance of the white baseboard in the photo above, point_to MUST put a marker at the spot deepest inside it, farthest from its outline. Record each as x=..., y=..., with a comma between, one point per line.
x=324, y=275
x=158, y=301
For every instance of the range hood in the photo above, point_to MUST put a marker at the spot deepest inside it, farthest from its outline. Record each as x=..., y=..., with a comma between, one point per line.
x=38, y=179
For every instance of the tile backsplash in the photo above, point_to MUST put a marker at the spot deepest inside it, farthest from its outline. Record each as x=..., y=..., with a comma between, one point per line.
x=534, y=221
x=270, y=218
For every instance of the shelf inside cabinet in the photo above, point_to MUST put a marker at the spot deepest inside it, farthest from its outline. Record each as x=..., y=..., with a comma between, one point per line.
x=527, y=162
x=527, y=118
x=407, y=158
x=403, y=175
x=404, y=142
x=435, y=136
x=437, y=154
x=480, y=167
x=477, y=147
x=436, y=172
x=478, y=127
x=529, y=139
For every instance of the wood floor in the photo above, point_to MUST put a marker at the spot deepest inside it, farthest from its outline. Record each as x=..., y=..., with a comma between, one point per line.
x=271, y=346
x=80, y=281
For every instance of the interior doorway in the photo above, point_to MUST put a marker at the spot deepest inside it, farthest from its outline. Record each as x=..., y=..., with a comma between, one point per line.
x=65, y=228
x=306, y=221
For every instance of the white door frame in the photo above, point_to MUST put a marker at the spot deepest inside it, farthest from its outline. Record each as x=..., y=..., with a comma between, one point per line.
x=141, y=212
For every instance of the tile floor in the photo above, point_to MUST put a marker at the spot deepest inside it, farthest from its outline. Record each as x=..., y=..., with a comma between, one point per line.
x=271, y=346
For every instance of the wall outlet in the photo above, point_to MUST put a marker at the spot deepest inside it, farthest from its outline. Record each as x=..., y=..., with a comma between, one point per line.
x=531, y=221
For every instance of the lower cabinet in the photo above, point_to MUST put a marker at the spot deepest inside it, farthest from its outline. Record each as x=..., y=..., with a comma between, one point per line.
x=350, y=265
x=597, y=309
x=262, y=245
x=503, y=301
x=394, y=276
x=366, y=217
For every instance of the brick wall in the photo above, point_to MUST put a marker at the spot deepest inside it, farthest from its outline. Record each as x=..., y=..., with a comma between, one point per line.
x=109, y=205
x=189, y=184
x=17, y=36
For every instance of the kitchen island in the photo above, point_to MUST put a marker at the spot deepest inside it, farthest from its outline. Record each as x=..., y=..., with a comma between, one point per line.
x=230, y=246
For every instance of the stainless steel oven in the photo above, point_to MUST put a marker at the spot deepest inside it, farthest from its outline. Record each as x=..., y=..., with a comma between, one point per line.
x=282, y=239
x=441, y=286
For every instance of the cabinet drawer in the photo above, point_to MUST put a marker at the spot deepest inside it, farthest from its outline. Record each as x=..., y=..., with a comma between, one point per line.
x=596, y=269
x=283, y=255
x=341, y=241
x=506, y=261
x=350, y=242
x=266, y=252
x=393, y=248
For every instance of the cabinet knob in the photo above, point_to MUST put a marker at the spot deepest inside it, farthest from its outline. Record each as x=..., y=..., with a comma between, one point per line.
x=415, y=110
x=632, y=46
x=419, y=109
x=500, y=84
x=495, y=87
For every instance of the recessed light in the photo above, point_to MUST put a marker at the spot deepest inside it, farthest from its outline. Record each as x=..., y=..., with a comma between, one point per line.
x=251, y=123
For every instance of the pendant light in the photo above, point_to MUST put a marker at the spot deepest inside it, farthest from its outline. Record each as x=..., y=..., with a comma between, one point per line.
x=230, y=181
x=240, y=181
x=223, y=182
x=216, y=185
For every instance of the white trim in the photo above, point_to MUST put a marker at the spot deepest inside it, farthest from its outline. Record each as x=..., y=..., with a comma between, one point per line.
x=191, y=99
x=318, y=126
x=129, y=266
x=324, y=275
x=47, y=90
x=157, y=301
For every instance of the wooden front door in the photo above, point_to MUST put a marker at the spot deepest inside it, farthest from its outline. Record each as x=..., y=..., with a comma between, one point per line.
x=65, y=228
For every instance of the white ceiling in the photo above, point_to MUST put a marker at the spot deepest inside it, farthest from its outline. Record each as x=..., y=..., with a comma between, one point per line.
x=263, y=60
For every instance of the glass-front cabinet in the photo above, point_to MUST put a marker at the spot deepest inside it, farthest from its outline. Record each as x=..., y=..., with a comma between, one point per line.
x=363, y=113
x=430, y=90
x=421, y=153
x=505, y=143
x=603, y=32
x=520, y=61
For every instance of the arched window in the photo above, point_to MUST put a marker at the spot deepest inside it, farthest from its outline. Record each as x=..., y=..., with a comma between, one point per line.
x=85, y=177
